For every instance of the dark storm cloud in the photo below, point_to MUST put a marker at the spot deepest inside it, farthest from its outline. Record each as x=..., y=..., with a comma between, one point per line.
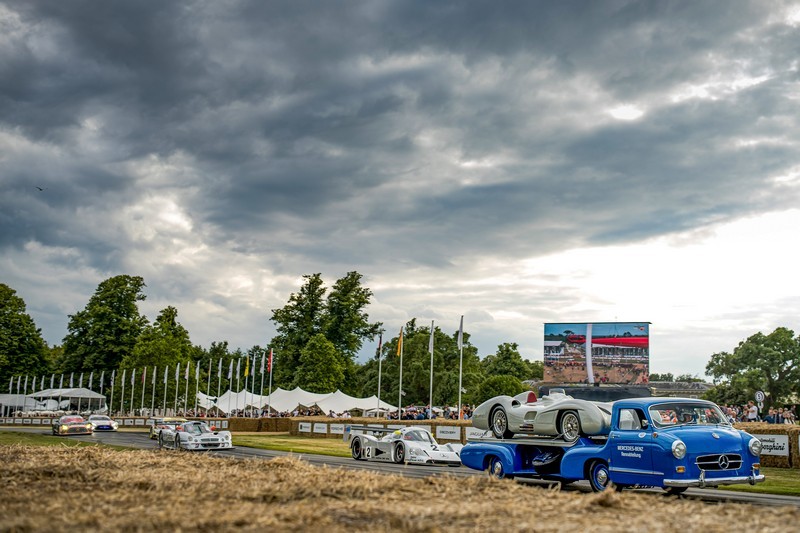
x=302, y=121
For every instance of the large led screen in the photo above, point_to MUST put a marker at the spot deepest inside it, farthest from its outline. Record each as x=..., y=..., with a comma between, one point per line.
x=599, y=352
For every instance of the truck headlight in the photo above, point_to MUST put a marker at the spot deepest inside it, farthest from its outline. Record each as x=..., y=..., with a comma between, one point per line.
x=754, y=446
x=679, y=449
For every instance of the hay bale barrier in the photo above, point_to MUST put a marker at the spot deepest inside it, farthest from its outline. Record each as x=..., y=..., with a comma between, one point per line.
x=80, y=489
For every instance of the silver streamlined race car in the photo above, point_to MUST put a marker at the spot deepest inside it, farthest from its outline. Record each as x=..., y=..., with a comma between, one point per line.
x=555, y=415
x=406, y=445
x=194, y=436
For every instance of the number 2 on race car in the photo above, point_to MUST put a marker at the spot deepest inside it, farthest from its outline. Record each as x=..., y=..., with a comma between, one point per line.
x=368, y=452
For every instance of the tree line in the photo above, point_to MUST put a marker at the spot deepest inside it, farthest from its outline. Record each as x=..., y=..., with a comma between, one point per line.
x=320, y=332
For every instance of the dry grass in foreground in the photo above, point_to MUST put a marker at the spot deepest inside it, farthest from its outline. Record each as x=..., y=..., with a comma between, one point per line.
x=80, y=489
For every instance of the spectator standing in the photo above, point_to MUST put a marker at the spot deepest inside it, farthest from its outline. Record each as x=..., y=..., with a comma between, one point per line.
x=752, y=412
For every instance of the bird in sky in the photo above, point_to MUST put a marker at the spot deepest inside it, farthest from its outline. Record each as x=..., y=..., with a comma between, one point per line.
x=40, y=189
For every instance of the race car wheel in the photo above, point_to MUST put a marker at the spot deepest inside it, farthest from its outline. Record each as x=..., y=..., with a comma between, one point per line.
x=496, y=469
x=160, y=441
x=399, y=453
x=355, y=449
x=675, y=491
x=598, y=476
x=499, y=424
x=178, y=443
x=569, y=426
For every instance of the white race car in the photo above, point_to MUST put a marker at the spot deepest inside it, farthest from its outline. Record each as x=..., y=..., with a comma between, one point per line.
x=194, y=436
x=407, y=445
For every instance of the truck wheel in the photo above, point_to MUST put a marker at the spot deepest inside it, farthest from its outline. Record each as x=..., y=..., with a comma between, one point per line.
x=355, y=449
x=399, y=453
x=569, y=426
x=499, y=424
x=598, y=476
x=496, y=469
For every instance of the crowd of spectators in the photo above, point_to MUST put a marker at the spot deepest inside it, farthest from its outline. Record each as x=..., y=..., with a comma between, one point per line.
x=750, y=413
x=413, y=412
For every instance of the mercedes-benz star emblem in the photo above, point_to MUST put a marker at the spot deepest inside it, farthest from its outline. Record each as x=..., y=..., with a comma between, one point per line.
x=724, y=463
x=715, y=435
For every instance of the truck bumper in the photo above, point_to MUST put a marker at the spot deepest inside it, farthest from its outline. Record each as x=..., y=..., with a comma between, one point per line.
x=701, y=482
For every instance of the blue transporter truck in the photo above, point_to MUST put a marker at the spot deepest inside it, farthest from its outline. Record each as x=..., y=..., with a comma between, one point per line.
x=672, y=443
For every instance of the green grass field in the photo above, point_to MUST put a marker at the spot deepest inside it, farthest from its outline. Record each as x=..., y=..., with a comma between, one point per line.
x=287, y=443
x=783, y=481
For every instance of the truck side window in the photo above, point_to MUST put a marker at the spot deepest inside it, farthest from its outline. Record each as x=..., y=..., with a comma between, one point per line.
x=629, y=420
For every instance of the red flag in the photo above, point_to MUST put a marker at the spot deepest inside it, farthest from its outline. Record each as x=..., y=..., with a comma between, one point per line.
x=269, y=362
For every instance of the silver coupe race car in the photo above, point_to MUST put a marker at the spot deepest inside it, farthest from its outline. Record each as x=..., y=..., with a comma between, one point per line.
x=555, y=415
x=194, y=436
x=407, y=445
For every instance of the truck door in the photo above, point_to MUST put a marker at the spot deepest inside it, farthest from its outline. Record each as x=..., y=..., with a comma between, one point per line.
x=631, y=449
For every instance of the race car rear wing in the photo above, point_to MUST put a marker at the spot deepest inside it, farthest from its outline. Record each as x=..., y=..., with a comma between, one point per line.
x=349, y=431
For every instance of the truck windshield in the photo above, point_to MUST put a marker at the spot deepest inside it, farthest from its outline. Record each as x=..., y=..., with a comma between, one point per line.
x=686, y=413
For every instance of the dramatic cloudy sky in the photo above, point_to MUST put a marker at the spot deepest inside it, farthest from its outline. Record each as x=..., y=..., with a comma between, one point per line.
x=514, y=162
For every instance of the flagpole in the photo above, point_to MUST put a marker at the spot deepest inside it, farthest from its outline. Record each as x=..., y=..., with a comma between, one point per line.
x=269, y=398
x=430, y=347
x=111, y=403
x=196, y=384
x=80, y=385
x=460, y=361
x=153, y=399
x=219, y=382
x=186, y=396
x=380, y=360
x=238, y=383
x=400, y=392
x=261, y=393
x=208, y=386
x=164, y=401
x=133, y=389
x=144, y=386
x=122, y=395
x=177, y=386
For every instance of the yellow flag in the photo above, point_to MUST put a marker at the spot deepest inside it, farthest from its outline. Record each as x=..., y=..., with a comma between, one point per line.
x=247, y=367
x=400, y=343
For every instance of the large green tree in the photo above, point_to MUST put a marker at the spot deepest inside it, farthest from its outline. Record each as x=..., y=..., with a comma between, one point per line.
x=160, y=347
x=320, y=367
x=499, y=385
x=340, y=318
x=22, y=349
x=508, y=361
x=762, y=362
x=108, y=328
x=297, y=322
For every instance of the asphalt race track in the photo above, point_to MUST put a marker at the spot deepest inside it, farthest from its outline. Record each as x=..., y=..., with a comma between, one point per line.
x=139, y=439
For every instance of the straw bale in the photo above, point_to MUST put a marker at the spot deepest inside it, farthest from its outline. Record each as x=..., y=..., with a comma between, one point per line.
x=763, y=428
x=79, y=489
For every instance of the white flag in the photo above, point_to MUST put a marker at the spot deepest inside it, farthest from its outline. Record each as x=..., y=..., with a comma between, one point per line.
x=177, y=372
x=91, y=377
x=71, y=374
x=197, y=371
x=122, y=381
x=133, y=377
x=61, y=382
x=186, y=373
x=238, y=367
x=230, y=369
x=33, y=385
x=52, y=378
x=461, y=333
x=263, y=360
x=155, y=371
x=430, y=342
x=166, y=369
x=11, y=385
x=102, y=379
x=219, y=367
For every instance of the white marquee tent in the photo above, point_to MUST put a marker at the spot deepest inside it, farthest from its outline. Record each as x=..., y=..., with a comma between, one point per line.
x=283, y=400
